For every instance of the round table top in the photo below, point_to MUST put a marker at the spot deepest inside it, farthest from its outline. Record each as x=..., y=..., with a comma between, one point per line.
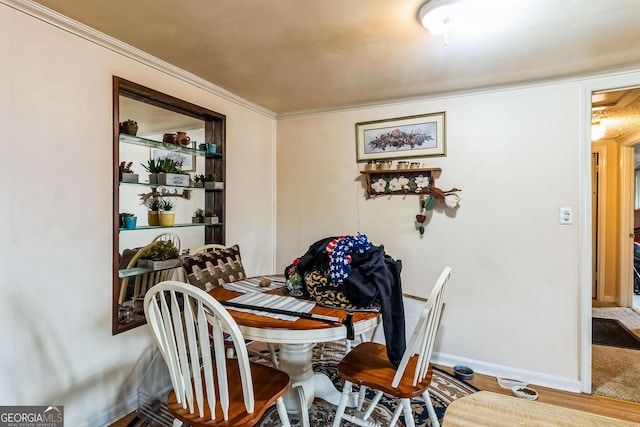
x=268, y=329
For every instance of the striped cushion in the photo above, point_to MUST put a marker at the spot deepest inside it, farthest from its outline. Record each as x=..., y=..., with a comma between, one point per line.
x=209, y=270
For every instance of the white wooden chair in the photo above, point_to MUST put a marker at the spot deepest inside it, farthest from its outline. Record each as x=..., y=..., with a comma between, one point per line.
x=367, y=365
x=209, y=389
x=212, y=247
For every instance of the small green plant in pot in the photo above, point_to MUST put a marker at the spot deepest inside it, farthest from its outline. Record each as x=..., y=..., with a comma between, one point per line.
x=154, y=205
x=153, y=168
x=199, y=180
x=167, y=217
x=198, y=216
x=171, y=173
x=210, y=217
x=161, y=254
x=126, y=173
x=127, y=221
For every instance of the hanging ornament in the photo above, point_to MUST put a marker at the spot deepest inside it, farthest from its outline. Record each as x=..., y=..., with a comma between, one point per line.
x=429, y=202
x=420, y=219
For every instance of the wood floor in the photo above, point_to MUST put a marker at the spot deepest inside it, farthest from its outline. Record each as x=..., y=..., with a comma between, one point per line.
x=627, y=411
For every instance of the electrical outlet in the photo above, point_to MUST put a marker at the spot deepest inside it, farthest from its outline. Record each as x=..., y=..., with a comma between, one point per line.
x=566, y=216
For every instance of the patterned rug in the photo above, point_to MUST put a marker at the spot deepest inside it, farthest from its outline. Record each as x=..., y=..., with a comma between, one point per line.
x=444, y=389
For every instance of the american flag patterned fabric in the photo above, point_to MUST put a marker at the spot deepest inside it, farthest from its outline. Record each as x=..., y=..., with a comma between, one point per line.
x=339, y=258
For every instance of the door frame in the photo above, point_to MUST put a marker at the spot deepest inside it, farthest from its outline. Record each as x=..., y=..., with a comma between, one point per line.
x=587, y=87
x=626, y=222
x=601, y=230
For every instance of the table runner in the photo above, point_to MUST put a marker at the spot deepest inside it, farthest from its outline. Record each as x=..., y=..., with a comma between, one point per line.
x=259, y=299
x=253, y=284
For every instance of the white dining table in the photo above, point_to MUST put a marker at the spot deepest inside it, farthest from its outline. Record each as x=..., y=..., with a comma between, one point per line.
x=296, y=341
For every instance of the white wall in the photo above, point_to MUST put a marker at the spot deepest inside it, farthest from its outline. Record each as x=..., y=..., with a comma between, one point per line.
x=55, y=257
x=513, y=296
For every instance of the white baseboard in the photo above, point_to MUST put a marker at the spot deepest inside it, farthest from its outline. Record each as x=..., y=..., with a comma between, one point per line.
x=537, y=378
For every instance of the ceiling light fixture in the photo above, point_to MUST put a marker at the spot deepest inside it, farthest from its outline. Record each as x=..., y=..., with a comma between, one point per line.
x=597, y=130
x=438, y=16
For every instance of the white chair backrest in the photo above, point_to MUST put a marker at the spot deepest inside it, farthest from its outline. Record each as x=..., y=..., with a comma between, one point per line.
x=179, y=316
x=424, y=334
x=173, y=238
x=141, y=282
x=207, y=248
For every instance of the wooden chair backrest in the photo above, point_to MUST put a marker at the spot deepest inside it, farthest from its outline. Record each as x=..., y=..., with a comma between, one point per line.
x=179, y=316
x=424, y=334
x=173, y=238
x=143, y=282
x=207, y=248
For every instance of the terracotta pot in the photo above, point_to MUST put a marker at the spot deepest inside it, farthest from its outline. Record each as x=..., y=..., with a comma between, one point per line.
x=129, y=127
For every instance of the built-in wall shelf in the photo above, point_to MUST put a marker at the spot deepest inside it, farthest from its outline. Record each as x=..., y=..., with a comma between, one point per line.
x=145, y=142
x=399, y=181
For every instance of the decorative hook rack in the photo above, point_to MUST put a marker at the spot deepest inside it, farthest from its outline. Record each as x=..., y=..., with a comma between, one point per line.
x=185, y=194
x=428, y=201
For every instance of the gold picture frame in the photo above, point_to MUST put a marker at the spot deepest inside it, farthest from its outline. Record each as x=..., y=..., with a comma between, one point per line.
x=411, y=136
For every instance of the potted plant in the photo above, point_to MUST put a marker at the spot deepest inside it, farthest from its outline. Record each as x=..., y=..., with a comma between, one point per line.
x=198, y=216
x=208, y=181
x=199, y=181
x=129, y=127
x=217, y=185
x=212, y=148
x=128, y=221
x=171, y=173
x=159, y=255
x=153, y=168
x=127, y=174
x=154, y=205
x=210, y=217
x=167, y=218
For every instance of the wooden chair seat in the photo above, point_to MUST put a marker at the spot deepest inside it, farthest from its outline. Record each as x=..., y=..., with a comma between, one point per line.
x=368, y=365
x=268, y=385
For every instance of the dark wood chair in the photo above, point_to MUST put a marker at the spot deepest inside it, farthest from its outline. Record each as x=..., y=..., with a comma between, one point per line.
x=367, y=365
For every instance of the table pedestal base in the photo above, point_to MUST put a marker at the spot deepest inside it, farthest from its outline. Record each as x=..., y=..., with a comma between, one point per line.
x=296, y=360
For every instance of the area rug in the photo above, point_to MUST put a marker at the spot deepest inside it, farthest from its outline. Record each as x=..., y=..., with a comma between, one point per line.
x=611, y=332
x=444, y=389
x=615, y=373
x=627, y=316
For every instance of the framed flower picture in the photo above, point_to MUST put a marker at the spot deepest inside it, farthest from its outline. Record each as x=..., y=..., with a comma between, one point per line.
x=402, y=137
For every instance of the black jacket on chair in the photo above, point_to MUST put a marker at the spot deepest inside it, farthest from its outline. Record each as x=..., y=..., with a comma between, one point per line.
x=374, y=275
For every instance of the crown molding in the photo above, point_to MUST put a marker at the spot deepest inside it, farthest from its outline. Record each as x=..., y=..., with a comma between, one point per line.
x=85, y=32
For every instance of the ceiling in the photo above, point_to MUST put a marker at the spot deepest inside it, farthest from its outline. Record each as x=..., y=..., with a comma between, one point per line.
x=300, y=55
x=619, y=111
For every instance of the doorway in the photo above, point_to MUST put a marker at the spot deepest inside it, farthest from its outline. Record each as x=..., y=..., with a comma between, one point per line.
x=616, y=114
x=615, y=208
